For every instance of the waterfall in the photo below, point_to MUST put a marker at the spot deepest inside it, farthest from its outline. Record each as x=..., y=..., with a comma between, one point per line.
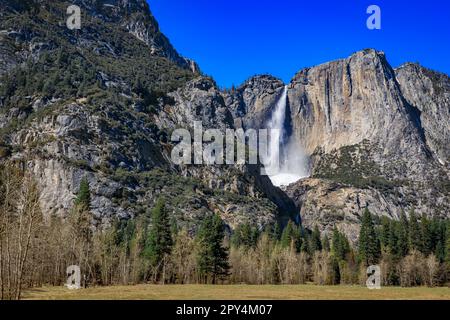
x=286, y=158
x=277, y=136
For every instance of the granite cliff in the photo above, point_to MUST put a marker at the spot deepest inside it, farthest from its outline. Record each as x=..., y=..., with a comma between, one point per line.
x=102, y=102
x=375, y=137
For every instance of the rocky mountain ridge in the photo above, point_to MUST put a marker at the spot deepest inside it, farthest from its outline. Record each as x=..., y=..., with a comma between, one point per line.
x=371, y=133
x=102, y=102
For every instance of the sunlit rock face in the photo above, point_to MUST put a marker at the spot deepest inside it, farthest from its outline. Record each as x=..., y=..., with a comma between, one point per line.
x=119, y=90
x=372, y=137
x=373, y=132
x=262, y=103
x=429, y=92
x=348, y=101
x=356, y=133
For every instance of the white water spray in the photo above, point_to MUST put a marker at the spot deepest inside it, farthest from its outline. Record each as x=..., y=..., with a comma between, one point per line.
x=287, y=160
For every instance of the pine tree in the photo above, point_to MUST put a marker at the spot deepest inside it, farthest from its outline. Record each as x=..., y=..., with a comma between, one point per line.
x=291, y=234
x=288, y=235
x=255, y=236
x=316, y=243
x=427, y=236
x=336, y=247
x=335, y=271
x=326, y=243
x=439, y=238
x=82, y=217
x=369, y=246
x=245, y=236
x=159, y=241
x=415, y=234
x=304, y=245
x=393, y=244
x=385, y=232
x=174, y=227
x=440, y=252
x=403, y=235
x=81, y=221
x=83, y=198
x=299, y=238
x=340, y=246
x=276, y=232
x=447, y=245
x=212, y=256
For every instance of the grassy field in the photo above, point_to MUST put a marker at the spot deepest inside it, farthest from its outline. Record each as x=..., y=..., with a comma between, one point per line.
x=237, y=292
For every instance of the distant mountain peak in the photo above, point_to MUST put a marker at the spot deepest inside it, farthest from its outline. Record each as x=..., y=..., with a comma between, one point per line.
x=133, y=15
x=129, y=5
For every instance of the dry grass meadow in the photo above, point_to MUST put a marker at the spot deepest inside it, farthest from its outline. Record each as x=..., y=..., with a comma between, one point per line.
x=237, y=292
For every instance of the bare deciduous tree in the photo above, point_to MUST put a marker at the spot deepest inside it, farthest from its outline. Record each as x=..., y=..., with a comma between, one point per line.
x=20, y=220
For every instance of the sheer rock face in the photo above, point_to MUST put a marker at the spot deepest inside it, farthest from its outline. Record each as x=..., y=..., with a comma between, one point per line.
x=377, y=138
x=136, y=17
x=370, y=128
x=116, y=133
x=133, y=15
x=78, y=142
x=348, y=101
x=61, y=149
x=252, y=103
x=199, y=100
x=429, y=92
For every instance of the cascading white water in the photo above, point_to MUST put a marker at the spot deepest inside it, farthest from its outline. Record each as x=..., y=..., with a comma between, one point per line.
x=286, y=158
x=276, y=124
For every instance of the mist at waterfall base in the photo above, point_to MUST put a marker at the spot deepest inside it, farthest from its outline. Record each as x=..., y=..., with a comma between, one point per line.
x=287, y=161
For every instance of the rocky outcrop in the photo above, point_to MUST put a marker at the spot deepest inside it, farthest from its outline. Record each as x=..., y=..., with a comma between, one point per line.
x=102, y=103
x=106, y=112
x=252, y=103
x=428, y=92
x=132, y=15
x=348, y=101
x=199, y=100
x=129, y=170
x=135, y=16
x=329, y=204
x=376, y=138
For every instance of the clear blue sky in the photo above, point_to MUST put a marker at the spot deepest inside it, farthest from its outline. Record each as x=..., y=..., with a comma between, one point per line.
x=232, y=40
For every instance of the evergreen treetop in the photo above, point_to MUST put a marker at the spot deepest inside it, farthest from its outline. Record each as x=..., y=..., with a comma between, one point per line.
x=159, y=241
x=369, y=246
x=83, y=198
x=212, y=256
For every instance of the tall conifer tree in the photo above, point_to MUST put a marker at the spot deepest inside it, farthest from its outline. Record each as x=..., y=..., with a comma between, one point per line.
x=415, y=234
x=316, y=243
x=212, y=256
x=369, y=245
x=159, y=243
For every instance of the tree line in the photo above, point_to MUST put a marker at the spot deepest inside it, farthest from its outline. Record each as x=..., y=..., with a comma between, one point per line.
x=36, y=249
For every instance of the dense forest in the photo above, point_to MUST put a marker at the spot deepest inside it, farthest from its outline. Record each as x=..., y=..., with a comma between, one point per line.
x=36, y=248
